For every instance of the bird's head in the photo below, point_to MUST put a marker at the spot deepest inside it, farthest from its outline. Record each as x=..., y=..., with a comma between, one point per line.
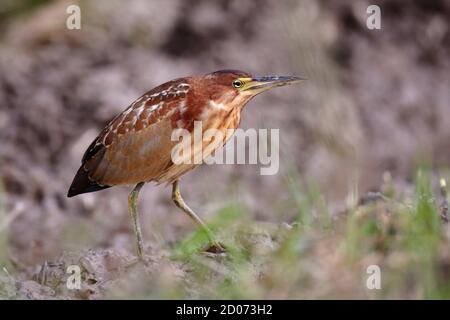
x=238, y=87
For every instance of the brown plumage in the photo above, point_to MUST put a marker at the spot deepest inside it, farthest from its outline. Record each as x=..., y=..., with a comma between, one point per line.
x=135, y=147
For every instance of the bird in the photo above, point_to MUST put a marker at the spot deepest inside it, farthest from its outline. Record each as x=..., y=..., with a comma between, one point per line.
x=136, y=146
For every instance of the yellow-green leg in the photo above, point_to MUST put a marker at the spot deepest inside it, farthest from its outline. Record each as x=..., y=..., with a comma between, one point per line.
x=176, y=197
x=132, y=206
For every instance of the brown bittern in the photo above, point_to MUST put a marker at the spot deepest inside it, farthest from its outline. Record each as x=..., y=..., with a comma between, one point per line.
x=136, y=146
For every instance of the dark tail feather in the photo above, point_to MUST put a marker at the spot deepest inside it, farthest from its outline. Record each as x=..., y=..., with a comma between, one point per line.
x=82, y=184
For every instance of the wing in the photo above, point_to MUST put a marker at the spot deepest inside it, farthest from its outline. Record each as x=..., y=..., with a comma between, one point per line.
x=136, y=145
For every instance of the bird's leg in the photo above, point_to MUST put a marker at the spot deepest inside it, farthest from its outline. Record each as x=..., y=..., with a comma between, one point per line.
x=176, y=197
x=132, y=199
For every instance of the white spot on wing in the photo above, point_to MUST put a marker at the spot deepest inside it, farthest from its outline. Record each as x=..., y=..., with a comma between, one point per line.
x=139, y=110
x=182, y=106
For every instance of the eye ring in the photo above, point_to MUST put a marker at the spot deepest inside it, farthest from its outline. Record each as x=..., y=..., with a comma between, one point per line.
x=237, y=83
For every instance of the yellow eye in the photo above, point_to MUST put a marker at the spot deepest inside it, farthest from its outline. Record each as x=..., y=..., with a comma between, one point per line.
x=237, y=83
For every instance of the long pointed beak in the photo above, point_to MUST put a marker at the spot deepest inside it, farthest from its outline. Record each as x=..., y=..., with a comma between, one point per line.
x=260, y=84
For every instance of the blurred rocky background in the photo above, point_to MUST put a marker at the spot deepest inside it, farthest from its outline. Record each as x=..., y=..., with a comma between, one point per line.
x=376, y=104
